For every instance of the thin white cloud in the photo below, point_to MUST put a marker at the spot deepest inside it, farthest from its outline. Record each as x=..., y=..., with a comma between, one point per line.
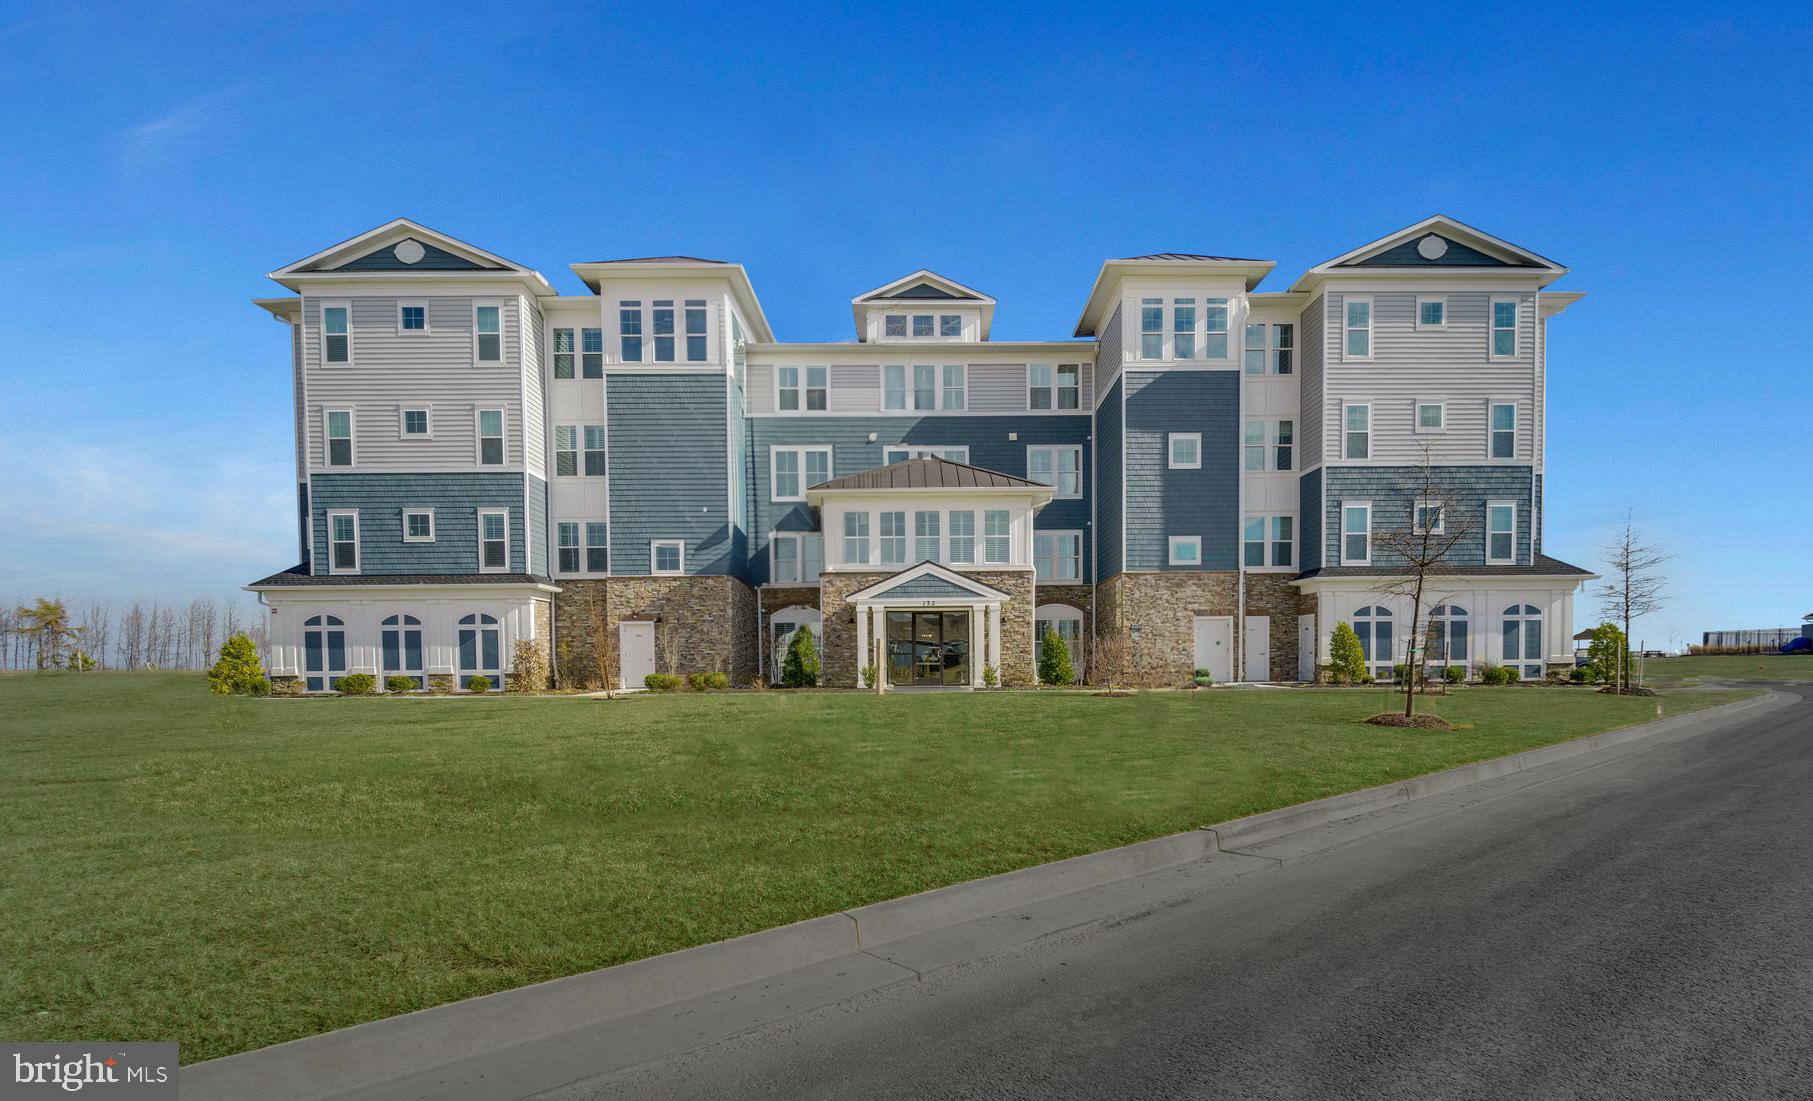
x=160, y=140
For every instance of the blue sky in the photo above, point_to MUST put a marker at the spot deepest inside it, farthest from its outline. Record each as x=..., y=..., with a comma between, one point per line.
x=154, y=164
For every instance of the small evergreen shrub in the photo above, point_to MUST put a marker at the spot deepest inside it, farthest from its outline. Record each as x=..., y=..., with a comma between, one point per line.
x=1512, y=674
x=237, y=668
x=397, y=682
x=991, y=677
x=1400, y=672
x=799, y=669
x=479, y=683
x=358, y=684
x=870, y=674
x=1495, y=675
x=1454, y=674
x=708, y=682
x=259, y=686
x=1345, y=657
x=1054, y=659
x=1581, y=674
x=661, y=682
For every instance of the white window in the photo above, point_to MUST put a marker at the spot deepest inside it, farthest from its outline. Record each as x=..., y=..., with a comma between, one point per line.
x=336, y=332
x=1356, y=533
x=324, y=652
x=900, y=454
x=667, y=557
x=1504, y=328
x=1184, y=550
x=597, y=547
x=339, y=437
x=963, y=537
x=795, y=558
x=488, y=333
x=797, y=469
x=343, y=541
x=856, y=538
x=593, y=436
x=412, y=318
x=997, y=542
x=490, y=437
x=1184, y=450
x=418, y=525
x=1065, y=622
x=415, y=423
x=591, y=353
x=1431, y=416
x=1057, y=555
x=896, y=325
x=1501, y=532
x=1058, y=467
x=1358, y=312
x=925, y=386
x=1268, y=444
x=1215, y=328
x=955, y=394
x=696, y=344
x=1252, y=352
x=1357, y=432
x=893, y=387
x=950, y=324
x=566, y=545
x=1373, y=625
x=1183, y=328
x=1503, y=444
x=1268, y=541
x=786, y=389
x=1522, y=650
x=566, y=451
x=925, y=536
x=1428, y=518
x=893, y=538
x=922, y=324
x=661, y=325
x=1051, y=386
x=1151, y=328
x=1431, y=312
x=1269, y=349
x=1447, y=635
x=563, y=353
x=493, y=541
x=629, y=331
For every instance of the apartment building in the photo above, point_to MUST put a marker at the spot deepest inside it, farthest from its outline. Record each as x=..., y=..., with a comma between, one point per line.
x=1203, y=471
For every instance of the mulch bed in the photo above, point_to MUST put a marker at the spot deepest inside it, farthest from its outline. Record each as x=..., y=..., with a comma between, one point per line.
x=1416, y=722
x=1612, y=690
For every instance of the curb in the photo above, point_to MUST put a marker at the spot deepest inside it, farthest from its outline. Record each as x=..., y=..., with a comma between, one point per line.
x=366, y=1054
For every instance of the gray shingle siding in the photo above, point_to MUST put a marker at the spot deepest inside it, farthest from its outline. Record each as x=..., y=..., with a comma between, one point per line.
x=1162, y=502
x=381, y=499
x=930, y=588
x=1406, y=256
x=669, y=470
x=1468, y=487
x=303, y=539
x=852, y=453
x=1109, y=440
x=1309, y=519
x=433, y=259
x=538, y=523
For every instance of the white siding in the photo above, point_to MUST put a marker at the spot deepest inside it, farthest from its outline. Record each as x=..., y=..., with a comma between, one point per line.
x=997, y=387
x=855, y=389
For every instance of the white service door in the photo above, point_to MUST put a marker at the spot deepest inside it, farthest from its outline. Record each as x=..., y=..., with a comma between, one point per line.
x=1306, y=647
x=635, y=652
x=1215, y=646
x=1258, y=647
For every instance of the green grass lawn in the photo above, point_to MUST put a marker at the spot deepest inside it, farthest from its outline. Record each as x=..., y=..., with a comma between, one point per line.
x=1678, y=672
x=230, y=873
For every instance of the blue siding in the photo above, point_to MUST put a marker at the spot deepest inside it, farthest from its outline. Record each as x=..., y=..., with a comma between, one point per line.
x=1108, y=443
x=381, y=499
x=1309, y=519
x=538, y=523
x=851, y=453
x=669, y=470
x=1163, y=502
x=303, y=538
x=1390, y=489
x=1406, y=256
x=433, y=259
x=739, y=470
x=931, y=588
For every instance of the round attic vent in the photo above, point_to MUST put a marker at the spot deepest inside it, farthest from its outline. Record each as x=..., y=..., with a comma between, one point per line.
x=411, y=251
x=1432, y=247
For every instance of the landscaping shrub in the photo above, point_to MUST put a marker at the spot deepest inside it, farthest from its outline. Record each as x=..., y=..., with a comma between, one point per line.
x=1583, y=674
x=1454, y=674
x=528, y=668
x=237, y=669
x=479, y=683
x=1495, y=675
x=399, y=683
x=870, y=673
x=799, y=669
x=1400, y=672
x=1345, y=657
x=708, y=682
x=1054, y=659
x=358, y=684
x=258, y=686
x=991, y=677
x=661, y=682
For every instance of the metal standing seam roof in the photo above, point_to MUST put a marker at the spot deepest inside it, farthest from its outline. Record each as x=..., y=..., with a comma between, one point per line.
x=1542, y=566
x=1194, y=256
x=659, y=260
x=929, y=473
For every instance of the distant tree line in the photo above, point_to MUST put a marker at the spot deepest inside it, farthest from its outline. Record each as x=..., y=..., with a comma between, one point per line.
x=51, y=633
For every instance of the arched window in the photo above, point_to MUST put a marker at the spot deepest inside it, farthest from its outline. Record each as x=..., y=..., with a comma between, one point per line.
x=323, y=652
x=1448, y=635
x=1068, y=623
x=401, y=647
x=1523, y=640
x=481, y=649
x=1373, y=625
x=781, y=627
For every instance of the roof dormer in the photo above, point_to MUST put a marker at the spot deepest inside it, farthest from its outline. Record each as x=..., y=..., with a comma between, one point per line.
x=1437, y=245
x=402, y=247
x=923, y=307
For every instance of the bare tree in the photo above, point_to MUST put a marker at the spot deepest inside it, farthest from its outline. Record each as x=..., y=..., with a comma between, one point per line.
x=1417, y=549
x=668, y=642
x=1110, y=656
x=604, y=644
x=1636, y=588
x=97, y=630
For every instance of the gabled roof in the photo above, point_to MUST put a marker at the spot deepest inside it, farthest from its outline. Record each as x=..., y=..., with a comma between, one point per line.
x=593, y=273
x=923, y=286
x=927, y=473
x=928, y=581
x=1189, y=265
x=405, y=247
x=1437, y=243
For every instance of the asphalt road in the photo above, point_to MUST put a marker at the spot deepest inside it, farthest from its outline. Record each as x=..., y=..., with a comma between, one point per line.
x=1641, y=929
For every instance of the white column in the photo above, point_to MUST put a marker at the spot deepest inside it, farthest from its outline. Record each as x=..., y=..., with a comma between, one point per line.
x=880, y=649
x=975, y=638
x=862, y=641
x=994, y=637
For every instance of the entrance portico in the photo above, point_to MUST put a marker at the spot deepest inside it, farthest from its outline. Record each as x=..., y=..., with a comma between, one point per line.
x=928, y=627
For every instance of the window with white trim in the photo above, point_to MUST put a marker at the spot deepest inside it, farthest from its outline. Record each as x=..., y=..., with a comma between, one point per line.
x=955, y=393
x=339, y=437
x=493, y=540
x=795, y=557
x=797, y=469
x=343, y=541
x=1431, y=311
x=1065, y=622
x=950, y=324
x=1373, y=625
x=1356, y=429
x=894, y=386
x=1057, y=555
x=922, y=324
x=488, y=334
x=566, y=451
x=1252, y=351
x=412, y=318
x=1357, y=313
x=1183, y=328
x=591, y=353
x=901, y=453
x=1428, y=518
x=925, y=386
x=1060, y=467
x=1503, y=444
x=1431, y=416
x=1151, y=328
x=597, y=547
x=1183, y=550
x=416, y=423
x=856, y=538
x=566, y=544
x=629, y=331
x=925, y=535
x=696, y=344
x=1268, y=541
x=490, y=437
x=1054, y=386
x=1215, y=328
x=1356, y=533
x=564, y=353
x=1504, y=328
x=1269, y=348
x=963, y=537
x=1268, y=444
x=997, y=540
x=895, y=325
x=336, y=333
x=661, y=326
x=1447, y=635
x=1183, y=450
x=1501, y=532
x=1522, y=640
x=893, y=538
x=667, y=557
x=592, y=435
x=418, y=525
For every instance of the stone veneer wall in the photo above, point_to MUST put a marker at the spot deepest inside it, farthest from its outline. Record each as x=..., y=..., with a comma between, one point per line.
x=1165, y=605
x=1017, y=663
x=838, y=662
x=773, y=599
x=1079, y=597
x=1272, y=594
x=714, y=619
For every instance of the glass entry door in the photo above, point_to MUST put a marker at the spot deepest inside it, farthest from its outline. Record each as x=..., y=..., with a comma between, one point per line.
x=928, y=649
